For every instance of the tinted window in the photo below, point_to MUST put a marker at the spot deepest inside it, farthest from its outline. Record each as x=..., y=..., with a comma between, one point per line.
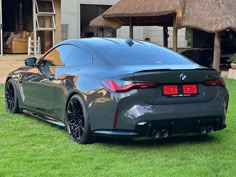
x=78, y=57
x=148, y=54
x=57, y=56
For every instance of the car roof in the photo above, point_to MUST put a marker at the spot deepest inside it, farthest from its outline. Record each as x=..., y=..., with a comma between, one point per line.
x=93, y=43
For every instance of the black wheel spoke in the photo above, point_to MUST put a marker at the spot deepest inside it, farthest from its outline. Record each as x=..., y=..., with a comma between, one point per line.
x=75, y=119
x=74, y=107
x=10, y=96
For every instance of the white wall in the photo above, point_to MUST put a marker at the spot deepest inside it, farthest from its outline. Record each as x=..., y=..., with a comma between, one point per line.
x=71, y=16
x=124, y=33
x=156, y=35
x=99, y=2
x=71, y=13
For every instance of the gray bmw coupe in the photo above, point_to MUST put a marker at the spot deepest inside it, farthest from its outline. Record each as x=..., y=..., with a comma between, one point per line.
x=115, y=87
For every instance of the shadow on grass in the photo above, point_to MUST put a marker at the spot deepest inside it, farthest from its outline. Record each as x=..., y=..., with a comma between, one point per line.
x=139, y=142
x=178, y=140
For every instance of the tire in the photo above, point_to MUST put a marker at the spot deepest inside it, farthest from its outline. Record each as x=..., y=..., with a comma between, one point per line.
x=11, y=100
x=77, y=121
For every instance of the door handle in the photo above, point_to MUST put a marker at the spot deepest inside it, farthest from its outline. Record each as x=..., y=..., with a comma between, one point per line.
x=51, y=77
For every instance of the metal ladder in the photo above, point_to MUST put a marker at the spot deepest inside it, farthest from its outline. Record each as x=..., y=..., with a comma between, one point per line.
x=44, y=21
x=31, y=49
x=45, y=14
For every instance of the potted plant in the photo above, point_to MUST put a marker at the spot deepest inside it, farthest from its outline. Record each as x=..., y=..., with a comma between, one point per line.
x=232, y=59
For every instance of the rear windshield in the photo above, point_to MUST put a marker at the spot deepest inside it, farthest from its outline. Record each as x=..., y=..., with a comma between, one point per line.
x=142, y=55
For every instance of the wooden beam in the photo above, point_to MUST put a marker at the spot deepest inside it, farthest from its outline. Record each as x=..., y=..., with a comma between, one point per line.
x=217, y=51
x=101, y=32
x=131, y=28
x=165, y=36
x=34, y=25
x=175, y=34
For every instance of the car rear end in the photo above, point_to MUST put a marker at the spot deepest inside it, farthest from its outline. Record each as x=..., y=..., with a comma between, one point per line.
x=163, y=103
x=167, y=98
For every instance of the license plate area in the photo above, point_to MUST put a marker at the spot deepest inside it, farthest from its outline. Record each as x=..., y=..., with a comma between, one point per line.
x=180, y=90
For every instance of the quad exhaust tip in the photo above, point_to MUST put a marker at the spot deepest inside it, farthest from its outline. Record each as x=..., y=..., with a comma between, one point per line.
x=210, y=129
x=206, y=129
x=164, y=133
x=203, y=130
x=156, y=134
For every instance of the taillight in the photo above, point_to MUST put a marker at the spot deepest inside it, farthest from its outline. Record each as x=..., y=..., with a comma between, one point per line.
x=111, y=85
x=216, y=83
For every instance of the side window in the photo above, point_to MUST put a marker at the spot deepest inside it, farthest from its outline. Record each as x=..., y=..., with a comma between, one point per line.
x=57, y=56
x=78, y=57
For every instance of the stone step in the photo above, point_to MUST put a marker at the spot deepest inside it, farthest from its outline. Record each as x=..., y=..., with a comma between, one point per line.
x=9, y=66
x=8, y=69
x=9, y=63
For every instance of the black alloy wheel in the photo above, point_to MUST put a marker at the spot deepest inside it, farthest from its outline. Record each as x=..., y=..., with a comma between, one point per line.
x=11, y=100
x=77, y=122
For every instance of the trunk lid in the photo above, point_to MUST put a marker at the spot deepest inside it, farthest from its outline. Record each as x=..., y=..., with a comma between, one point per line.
x=183, y=86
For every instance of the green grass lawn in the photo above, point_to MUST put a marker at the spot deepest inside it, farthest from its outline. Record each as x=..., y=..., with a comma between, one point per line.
x=30, y=147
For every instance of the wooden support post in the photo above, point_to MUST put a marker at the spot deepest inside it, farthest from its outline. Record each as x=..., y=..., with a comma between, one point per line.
x=175, y=35
x=165, y=36
x=131, y=28
x=34, y=25
x=217, y=51
x=101, y=32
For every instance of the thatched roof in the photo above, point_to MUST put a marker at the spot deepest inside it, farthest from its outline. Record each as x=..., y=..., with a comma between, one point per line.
x=207, y=15
x=102, y=22
x=139, y=8
x=210, y=15
x=143, y=13
x=136, y=21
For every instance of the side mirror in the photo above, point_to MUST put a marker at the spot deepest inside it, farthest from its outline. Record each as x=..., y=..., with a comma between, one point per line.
x=30, y=61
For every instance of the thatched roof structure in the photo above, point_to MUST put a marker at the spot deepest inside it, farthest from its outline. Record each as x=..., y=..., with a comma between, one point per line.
x=209, y=15
x=138, y=8
x=102, y=22
x=143, y=13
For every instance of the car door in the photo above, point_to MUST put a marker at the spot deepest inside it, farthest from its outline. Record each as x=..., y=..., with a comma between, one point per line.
x=69, y=76
x=38, y=82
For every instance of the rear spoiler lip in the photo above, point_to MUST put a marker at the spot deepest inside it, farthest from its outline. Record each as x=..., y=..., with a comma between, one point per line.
x=153, y=70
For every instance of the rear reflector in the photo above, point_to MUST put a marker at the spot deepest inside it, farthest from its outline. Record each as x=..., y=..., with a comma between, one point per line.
x=190, y=89
x=111, y=85
x=116, y=119
x=170, y=89
x=216, y=83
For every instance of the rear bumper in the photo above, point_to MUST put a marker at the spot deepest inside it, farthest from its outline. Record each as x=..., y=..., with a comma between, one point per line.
x=137, y=118
x=181, y=126
x=173, y=126
x=142, y=119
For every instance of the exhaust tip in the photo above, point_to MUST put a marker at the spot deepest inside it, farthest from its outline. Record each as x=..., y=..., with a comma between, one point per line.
x=203, y=130
x=164, y=133
x=155, y=134
x=210, y=129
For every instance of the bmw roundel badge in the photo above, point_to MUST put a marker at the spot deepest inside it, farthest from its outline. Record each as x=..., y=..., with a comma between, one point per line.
x=183, y=77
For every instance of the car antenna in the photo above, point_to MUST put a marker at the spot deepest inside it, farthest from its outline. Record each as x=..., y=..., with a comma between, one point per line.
x=130, y=42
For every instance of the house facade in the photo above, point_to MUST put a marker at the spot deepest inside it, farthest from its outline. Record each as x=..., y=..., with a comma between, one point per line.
x=77, y=15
